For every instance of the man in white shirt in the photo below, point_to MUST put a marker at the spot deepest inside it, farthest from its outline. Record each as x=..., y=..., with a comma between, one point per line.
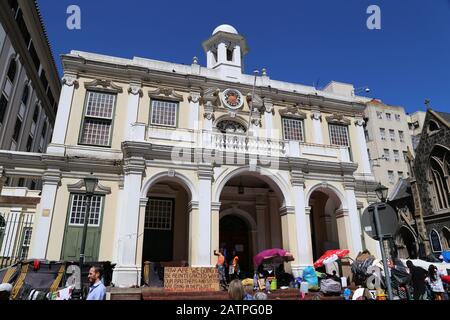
x=97, y=290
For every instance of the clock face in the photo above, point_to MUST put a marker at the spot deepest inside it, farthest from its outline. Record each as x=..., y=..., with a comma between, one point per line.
x=233, y=99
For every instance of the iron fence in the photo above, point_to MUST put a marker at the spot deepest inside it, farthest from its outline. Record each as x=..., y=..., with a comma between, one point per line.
x=15, y=237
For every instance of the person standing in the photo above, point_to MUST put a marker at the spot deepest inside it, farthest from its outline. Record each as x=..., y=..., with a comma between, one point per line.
x=221, y=268
x=97, y=290
x=418, y=276
x=435, y=282
x=235, y=265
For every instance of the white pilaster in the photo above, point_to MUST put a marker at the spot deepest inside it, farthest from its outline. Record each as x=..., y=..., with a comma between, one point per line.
x=70, y=82
x=355, y=220
x=203, y=249
x=45, y=211
x=305, y=256
x=127, y=272
x=134, y=94
x=317, y=127
x=365, y=164
x=194, y=99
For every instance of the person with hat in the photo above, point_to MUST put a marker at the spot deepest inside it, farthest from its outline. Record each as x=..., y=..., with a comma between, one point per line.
x=5, y=291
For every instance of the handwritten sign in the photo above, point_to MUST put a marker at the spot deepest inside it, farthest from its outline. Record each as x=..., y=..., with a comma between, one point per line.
x=191, y=279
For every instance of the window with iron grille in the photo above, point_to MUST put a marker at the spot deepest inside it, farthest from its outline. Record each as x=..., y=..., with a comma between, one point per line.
x=158, y=214
x=339, y=135
x=293, y=129
x=78, y=210
x=164, y=113
x=25, y=243
x=392, y=135
x=98, y=117
x=383, y=133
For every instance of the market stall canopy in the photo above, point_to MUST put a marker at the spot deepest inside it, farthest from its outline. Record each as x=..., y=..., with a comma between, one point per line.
x=328, y=256
x=272, y=256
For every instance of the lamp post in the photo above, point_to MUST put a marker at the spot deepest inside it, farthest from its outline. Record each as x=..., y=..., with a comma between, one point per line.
x=90, y=183
x=382, y=193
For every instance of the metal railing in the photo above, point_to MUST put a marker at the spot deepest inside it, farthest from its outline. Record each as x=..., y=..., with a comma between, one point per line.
x=15, y=237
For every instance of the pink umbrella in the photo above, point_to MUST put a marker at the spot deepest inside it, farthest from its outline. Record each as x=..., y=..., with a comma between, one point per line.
x=339, y=253
x=272, y=256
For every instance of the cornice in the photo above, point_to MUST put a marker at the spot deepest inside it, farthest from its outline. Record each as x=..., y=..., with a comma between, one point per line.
x=292, y=112
x=165, y=93
x=104, y=85
x=338, y=118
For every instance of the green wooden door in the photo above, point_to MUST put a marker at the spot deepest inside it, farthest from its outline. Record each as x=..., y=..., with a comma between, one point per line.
x=74, y=229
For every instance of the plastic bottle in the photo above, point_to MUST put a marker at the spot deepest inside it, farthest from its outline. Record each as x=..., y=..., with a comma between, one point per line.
x=347, y=294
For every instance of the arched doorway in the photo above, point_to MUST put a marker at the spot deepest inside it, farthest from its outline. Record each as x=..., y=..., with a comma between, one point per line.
x=325, y=209
x=446, y=238
x=166, y=223
x=406, y=244
x=235, y=236
x=252, y=203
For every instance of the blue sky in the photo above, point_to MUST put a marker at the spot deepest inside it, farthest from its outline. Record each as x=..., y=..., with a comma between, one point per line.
x=305, y=42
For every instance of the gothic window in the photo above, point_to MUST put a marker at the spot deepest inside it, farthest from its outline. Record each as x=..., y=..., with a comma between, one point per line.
x=435, y=241
x=230, y=126
x=439, y=178
x=432, y=126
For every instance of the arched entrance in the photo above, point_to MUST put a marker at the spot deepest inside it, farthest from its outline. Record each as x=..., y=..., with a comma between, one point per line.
x=166, y=223
x=250, y=220
x=446, y=238
x=235, y=236
x=326, y=209
x=406, y=244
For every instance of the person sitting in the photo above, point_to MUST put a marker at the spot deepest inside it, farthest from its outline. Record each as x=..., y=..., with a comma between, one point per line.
x=236, y=290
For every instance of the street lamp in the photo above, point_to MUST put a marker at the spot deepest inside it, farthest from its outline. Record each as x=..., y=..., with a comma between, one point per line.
x=90, y=184
x=382, y=192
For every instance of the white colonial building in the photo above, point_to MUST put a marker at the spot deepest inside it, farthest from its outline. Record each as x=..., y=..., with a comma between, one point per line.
x=192, y=158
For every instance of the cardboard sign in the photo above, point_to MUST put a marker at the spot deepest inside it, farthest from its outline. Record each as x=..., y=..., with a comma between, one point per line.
x=191, y=279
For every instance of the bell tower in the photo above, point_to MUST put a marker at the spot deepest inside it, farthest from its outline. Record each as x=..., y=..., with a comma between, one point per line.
x=225, y=50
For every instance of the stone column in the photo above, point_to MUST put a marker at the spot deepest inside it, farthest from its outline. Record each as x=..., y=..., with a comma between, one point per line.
x=261, y=226
x=134, y=94
x=127, y=272
x=289, y=233
x=215, y=230
x=194, y=99
x=317, y=127
x=44, y=214
x=69, y=84
x=304, y=256
x=365, y=163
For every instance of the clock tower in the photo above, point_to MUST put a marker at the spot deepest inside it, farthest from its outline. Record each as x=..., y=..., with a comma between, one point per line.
x=225, y=50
